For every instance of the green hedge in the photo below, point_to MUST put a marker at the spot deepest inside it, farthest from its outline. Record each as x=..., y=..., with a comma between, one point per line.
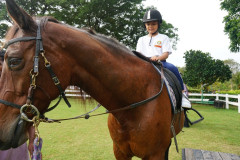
x=232, y=92
x=194, y=90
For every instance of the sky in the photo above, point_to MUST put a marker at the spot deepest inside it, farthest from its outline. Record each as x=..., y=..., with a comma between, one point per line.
x=200, y=27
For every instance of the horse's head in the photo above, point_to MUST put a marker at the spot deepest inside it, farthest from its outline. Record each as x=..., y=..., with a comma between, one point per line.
x=25, y=79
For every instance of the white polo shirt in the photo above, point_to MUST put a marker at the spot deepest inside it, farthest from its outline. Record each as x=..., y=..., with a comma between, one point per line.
x=159, y=44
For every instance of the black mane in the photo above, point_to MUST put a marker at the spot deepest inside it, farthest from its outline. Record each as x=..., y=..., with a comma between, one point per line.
x=110, y=42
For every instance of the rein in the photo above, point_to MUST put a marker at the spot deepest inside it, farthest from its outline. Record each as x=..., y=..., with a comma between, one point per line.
x=132, y=106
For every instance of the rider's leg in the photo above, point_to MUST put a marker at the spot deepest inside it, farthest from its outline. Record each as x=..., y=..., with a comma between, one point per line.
x=185, y=102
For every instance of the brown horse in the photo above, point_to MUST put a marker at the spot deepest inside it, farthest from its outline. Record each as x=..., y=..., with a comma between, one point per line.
x=101, y=66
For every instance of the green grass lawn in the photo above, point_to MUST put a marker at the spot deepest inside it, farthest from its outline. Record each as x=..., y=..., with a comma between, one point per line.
x=90, y=140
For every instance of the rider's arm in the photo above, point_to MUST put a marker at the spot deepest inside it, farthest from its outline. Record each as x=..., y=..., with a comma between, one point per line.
x=163, y=57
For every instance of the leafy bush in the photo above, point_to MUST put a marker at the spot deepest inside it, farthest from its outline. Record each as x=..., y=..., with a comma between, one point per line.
x=194, y=90
x=232, y=92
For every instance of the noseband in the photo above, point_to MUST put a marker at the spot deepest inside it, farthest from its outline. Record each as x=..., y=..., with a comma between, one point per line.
x=29, y=107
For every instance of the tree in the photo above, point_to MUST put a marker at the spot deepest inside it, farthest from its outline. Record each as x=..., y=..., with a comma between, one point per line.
x=234, y=66
x=121, y=19
x=234, y=82
x=232, y=23
x=3, y=16
x=181, y=69
x=3, y=29
x=236, y=79
x=202, y=69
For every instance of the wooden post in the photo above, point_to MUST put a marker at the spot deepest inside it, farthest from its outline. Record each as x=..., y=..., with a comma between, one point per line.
x=227, y=101
x=239, y=103
x=217, y=97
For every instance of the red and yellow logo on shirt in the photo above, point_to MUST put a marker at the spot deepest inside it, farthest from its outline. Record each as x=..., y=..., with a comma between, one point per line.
x=159, y=44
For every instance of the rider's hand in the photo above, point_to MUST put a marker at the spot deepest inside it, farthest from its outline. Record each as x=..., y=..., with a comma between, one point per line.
x=155, y=58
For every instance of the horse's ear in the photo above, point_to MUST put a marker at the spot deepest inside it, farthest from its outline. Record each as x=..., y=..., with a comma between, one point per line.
x=18, y=15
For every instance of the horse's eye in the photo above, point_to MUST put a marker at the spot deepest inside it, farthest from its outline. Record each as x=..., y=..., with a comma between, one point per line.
x=15, y=63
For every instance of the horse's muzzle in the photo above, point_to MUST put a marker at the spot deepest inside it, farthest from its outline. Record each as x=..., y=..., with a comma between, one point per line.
x=18, y=135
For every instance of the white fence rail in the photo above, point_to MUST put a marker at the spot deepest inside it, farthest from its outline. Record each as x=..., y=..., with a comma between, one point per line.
x=216, y=97
x=73, y=91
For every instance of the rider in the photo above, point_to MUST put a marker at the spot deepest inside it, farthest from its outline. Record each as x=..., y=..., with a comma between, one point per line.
x=157, y=46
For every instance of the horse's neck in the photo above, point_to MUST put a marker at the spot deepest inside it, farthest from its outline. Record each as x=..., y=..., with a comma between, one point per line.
x=111, y=76
x=105, y=76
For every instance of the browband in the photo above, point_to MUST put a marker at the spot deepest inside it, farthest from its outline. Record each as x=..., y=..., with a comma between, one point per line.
x=19, y=40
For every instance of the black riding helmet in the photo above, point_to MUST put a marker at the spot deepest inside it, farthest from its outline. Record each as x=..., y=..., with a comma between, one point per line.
x=152, y=15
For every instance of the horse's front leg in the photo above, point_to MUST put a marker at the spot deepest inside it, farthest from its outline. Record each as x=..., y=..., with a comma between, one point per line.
x=157, y=156
x=160, y=155
x=119, y=155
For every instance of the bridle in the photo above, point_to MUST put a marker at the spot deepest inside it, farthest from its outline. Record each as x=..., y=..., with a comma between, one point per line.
x=29, y=108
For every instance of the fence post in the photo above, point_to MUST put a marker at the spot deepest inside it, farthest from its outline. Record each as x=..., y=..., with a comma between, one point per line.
x=217, y=97
x=239, y=103
x=227, y=100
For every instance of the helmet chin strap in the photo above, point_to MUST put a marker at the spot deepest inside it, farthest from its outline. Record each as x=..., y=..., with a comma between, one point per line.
x=152, y=36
